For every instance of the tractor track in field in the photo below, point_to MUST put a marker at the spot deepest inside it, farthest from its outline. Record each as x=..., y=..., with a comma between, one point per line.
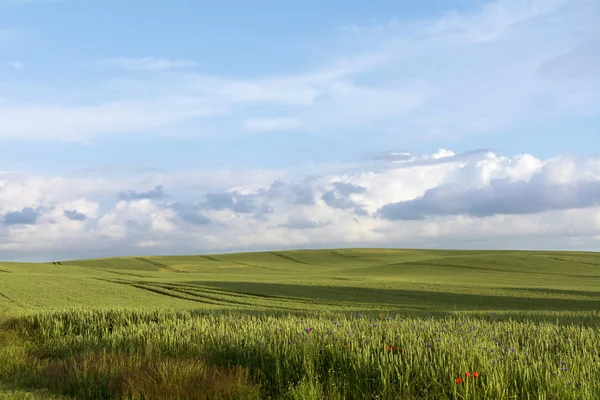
x=160, y=265
x=125, y=274
x=197, y=293
x=344, y=255
x=202, y=295
x=262, y=296
x=481, y=268
x=180, y=297
x=288, y=258
x=239, y=263
x=192, y=289
x=7, y=298
x=571, y=261
x=157, y=291
x=352, y=258
x=190, y=295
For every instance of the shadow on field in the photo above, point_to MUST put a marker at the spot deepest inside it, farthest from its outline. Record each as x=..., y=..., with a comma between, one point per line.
x=559, y=292
x=413, y=299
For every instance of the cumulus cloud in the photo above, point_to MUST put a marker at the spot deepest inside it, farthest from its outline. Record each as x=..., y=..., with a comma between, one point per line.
x=130, y=219
x=340, y=197
x=27, y=216
x=296, y=193
x=190, y=214
x=478, y=200
x=303, y=223
x=155, y=194
x=75, y=215
x=245, y=203
x=499, y=197
x=219, y=201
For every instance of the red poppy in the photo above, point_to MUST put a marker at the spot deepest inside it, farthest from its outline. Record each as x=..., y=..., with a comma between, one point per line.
x=476, y=374
x=458, y=381
x=468, y=374
x=347, y=346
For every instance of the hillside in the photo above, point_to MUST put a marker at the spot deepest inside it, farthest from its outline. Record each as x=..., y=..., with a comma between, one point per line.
x=348, y=279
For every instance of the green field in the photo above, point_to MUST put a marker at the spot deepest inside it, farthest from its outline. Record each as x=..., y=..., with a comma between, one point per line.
x=386, y=324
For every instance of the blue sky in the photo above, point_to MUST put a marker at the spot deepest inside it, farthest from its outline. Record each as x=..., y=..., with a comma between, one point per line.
x=144, y=93
x=77, y=53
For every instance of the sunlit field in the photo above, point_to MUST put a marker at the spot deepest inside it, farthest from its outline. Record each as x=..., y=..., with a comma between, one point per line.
x=327, y=324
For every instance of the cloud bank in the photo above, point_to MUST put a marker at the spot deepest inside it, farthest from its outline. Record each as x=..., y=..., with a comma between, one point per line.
x=473, y=200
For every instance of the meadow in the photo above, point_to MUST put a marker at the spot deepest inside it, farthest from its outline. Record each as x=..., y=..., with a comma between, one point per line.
x=322, y=324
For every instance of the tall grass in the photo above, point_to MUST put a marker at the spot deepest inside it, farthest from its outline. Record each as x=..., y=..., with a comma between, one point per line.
x=158, y=354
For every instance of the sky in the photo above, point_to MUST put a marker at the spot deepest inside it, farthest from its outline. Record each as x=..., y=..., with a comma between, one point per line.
x=183, y=127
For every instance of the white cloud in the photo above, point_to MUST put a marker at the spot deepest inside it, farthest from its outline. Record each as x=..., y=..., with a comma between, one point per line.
x=252, y=210
x=75, y=123
x=442, y=153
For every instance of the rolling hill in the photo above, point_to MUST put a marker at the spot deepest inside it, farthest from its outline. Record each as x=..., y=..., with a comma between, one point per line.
x=343, y=279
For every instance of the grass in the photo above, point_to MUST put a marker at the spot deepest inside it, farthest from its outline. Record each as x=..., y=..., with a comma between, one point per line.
x=386, y=324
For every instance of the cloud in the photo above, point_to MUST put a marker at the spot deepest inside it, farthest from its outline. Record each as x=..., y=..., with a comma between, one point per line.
x=158, y=193
x=477, y=200
x=391, y=156
x=340, y=197
x=150, y=64
x=27, y=216
x=499, y=197
x=78, y=122
x=495, y=77
x=219, y=201
x=304, y=223
x=75, y=215
x=303, y=194
x=295, y=193
x=237, y=202
x=190, y=214
x=347, y=189
x=133, y=221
